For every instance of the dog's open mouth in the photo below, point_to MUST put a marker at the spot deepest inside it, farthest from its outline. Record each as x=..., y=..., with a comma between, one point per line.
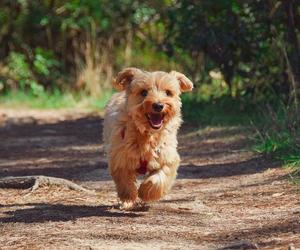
x=156, y=120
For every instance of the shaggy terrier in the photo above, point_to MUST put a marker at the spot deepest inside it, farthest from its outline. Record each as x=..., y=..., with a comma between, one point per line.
x=140, y=132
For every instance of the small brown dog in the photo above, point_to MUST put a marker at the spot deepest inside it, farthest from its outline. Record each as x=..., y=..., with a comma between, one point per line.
x=140, y=132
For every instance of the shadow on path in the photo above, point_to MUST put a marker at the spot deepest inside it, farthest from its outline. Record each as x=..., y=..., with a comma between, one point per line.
x=251, y=166
x=43, y=212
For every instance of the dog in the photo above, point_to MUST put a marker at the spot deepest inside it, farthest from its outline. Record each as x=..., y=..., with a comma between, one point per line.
x=140, y=133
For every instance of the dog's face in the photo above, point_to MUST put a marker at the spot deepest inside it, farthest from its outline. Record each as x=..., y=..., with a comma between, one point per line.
x=153, y=98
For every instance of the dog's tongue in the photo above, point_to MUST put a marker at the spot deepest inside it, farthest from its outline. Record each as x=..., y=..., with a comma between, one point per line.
x=156, y=120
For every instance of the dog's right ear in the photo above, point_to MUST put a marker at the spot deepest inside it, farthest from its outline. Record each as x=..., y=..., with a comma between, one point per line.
x=124, y=78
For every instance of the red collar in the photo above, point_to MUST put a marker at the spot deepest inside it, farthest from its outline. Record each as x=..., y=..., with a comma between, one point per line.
x=143, y=167
x=143, y=163
x=123, y=133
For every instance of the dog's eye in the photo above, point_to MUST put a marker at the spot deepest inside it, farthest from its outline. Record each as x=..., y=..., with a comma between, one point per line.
x=169, y=93
x=144, y=92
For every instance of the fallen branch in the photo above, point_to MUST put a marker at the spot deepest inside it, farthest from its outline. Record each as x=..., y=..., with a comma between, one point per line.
x=35, y=181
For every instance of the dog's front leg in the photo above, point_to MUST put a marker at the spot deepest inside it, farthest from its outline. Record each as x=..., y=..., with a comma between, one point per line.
x=125, y=183
x=158, y=183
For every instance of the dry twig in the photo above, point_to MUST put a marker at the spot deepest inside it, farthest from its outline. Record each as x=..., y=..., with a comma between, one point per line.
x=35, y=181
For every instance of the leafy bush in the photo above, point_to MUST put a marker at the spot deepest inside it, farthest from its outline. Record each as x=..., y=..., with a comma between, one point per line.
x=82, y=44
x=44, y=62
x=20, y=72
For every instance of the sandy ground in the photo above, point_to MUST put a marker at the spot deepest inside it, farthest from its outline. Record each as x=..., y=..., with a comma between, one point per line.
x=225, y=197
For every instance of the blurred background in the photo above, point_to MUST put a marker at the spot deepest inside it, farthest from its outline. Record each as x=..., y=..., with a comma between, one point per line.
x=241, y=122
x=243, y=56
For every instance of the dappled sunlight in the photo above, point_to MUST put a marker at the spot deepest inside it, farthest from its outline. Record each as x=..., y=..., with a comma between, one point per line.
x=215, y=145
x=219, y=178
x=227, y=132
x=236, y=186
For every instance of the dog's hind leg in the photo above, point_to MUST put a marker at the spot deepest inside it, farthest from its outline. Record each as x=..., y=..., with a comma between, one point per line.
x=126, y=188
x=157, y=184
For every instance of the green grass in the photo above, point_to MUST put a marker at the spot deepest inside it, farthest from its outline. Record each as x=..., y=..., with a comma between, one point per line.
x=279, y=136
x=272, y=142
x=54, y=100
x=222, y=111
x=285, y=149
x=291, y=159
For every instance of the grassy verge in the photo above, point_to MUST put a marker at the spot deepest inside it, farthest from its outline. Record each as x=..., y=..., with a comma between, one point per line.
x=277, y=127
x=280, y=138
x=54, y=100
x=288, y=153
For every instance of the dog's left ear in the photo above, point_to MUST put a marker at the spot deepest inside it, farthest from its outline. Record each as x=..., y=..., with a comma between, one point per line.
x=124, y=77
x=185, y=83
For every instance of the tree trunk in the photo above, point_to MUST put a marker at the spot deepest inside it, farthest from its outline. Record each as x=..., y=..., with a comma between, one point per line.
x=128, y=48
x=294, y=54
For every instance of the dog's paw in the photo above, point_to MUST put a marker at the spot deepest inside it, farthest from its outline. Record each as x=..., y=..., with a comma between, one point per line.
x=138, y=205
x=127, y=205
x=150, y=192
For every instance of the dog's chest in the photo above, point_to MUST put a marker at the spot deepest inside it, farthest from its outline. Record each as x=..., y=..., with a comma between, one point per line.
x=147, y=151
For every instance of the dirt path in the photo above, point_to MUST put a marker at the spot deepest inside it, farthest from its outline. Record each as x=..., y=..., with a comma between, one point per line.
x=224, y=197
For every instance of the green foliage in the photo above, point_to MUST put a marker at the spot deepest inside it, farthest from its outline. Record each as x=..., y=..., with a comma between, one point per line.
x=238, y=53
x=220, y=111
x=245, y=41
x=44, y=62
x=211, y=91
x=279, y=136
x=273, y=142
x=18, y=66
x=19, y=69
x=241, y=39
x=143, y=57
x=292, y=159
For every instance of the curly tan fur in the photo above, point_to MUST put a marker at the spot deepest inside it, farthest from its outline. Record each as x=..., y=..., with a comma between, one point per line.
x=130, y=136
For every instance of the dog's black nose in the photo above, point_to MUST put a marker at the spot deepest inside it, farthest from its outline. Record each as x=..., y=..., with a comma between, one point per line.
x=157, y=106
